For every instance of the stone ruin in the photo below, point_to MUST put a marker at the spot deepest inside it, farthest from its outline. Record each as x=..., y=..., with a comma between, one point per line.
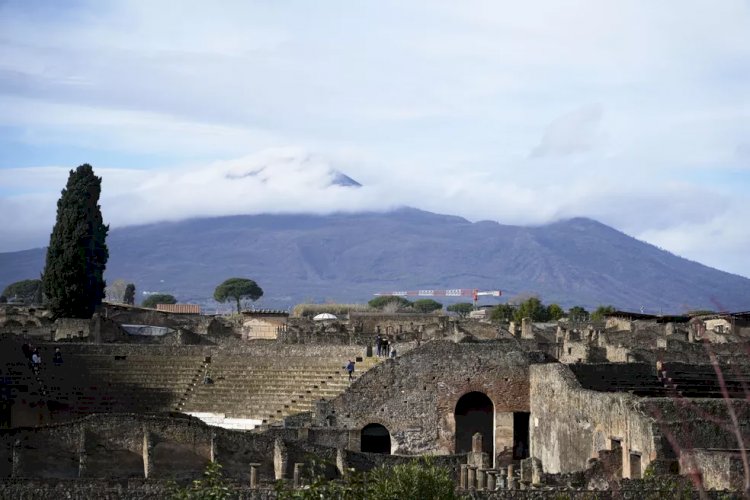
x=533, y=410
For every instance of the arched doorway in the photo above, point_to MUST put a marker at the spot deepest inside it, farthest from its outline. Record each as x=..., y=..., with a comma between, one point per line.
x=474, y=413
x=375, y=438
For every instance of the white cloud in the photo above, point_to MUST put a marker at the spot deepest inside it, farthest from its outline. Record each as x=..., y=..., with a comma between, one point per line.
x=634, y=113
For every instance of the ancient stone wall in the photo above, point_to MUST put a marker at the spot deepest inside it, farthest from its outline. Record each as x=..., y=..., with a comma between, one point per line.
x=718, y=469
x=400, y=325
x=415, y=396
x=569, y=425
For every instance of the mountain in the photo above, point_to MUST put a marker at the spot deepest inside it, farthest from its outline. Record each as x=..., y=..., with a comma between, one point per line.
x=348, y=257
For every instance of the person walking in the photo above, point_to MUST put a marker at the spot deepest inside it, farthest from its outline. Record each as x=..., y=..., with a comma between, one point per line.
x=378, y=343
x=350, y=370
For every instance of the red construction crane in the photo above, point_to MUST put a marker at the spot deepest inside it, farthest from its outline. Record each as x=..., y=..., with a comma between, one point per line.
x=474, y=293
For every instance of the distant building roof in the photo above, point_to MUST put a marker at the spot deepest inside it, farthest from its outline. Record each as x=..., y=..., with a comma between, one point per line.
x=652, y=317
x=266, y=312
x=179, y=308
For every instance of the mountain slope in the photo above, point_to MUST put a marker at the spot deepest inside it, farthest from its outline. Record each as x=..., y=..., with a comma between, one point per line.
x=348, y=257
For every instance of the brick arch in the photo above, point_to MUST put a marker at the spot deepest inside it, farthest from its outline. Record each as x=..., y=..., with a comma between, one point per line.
x=474, y=412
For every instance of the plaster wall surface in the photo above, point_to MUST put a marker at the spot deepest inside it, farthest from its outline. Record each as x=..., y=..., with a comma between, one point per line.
x=569, y=425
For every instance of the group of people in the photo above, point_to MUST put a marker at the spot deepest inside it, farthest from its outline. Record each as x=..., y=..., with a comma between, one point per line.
x=384, y=348
x=35, y=358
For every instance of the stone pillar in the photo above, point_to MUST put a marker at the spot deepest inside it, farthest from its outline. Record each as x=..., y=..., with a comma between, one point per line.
x=510, y=472
x=279, y=459
x=298, y=475
x=536, y=471
x=148, y=453
x=471, y=477
x=527, y=332
x=480, y=479
x=462, y=476
x=341, y=464
x=502, y=480
x=254, y=475
x=212, y=447
x=82, y=458
x=491, y=484
x=476, y=442
x=476, y=456
x=15, y=466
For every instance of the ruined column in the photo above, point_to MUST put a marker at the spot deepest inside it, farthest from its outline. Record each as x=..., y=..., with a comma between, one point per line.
x=536, y=471
x=148, y=451
x=527, y=332
x=82, y=458
x=491, y=480
x=502, y=479
x=254, y=475
x=15, y=466
x=212, y=447
x=476, y=442
x=510, y=474
x=341, y=464
x=462, y=476
x=476, y=456
x=279, y=458
x=298, y=475
x=471, y=479
x=480, y=479
x=512, y=483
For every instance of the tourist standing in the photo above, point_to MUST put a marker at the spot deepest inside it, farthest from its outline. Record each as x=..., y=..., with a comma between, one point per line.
x=350, y=370
x=378, y=343
x=36, y=360
x=57, y=358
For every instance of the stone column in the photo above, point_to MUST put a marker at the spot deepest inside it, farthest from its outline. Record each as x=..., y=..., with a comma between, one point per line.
x=148, y=452
x=82, y=458
x=491, y=480
x=212, y=447
x=462, y=477
x=254, y=475
x=15, y=466
x=341, y=464
x=298, y=475
x=527, y=331
x=471, y=479
x=480, y=479
x=476, y=442
x=536, y=471
x=279, y=458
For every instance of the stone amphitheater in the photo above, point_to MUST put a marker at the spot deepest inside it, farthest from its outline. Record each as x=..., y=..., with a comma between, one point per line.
x=518, y=411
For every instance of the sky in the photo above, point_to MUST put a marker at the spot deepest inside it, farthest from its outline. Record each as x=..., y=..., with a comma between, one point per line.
x=633, y=113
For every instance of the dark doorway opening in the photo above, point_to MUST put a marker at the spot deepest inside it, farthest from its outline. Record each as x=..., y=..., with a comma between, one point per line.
x=375, y=438
x=474, y=413
x=520, y=435
x=635, y=466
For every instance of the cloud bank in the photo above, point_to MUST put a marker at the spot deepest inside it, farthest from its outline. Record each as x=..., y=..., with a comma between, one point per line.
x=636, y=114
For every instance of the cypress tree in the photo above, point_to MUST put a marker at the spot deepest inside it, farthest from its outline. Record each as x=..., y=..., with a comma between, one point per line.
x=77, y=253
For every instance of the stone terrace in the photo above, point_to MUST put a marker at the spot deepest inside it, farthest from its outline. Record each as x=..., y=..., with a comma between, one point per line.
x=260, y=383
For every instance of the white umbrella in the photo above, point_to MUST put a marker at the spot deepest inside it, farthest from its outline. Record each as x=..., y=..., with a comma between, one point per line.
x=324, y=317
